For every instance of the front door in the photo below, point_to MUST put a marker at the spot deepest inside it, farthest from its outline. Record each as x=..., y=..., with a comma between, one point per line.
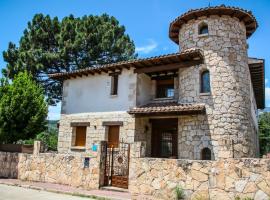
x=164, y=138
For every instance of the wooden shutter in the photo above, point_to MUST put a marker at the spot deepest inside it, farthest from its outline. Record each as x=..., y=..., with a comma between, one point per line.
x=80, y=136
x=113, y=136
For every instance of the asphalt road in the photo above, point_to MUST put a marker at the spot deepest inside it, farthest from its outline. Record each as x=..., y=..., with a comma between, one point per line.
x=19, y=193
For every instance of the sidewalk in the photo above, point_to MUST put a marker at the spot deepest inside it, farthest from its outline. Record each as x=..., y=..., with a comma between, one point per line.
x=65, y=189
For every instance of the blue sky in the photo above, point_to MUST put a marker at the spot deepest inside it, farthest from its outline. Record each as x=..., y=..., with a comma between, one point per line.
x=146, y=22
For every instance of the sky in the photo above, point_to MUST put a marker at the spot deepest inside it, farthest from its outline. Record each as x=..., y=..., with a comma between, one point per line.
x=146, y=21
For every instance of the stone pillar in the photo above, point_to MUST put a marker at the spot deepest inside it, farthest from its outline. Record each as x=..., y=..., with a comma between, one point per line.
x=102, y=159
x=37, y=147
x=138, y=149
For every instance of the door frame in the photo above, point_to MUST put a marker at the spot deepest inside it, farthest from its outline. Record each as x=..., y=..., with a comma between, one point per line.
x=158, y=127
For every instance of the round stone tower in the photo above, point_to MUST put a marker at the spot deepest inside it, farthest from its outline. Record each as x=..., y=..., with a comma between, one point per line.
x=221, y=33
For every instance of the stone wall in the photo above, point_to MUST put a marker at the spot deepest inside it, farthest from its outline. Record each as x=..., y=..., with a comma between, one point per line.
x=225, y=179
x=96, y=132
x=228, y=106
x=8, y=165
x=59, y=168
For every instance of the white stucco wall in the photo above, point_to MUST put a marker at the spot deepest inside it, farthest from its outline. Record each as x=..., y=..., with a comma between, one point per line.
x=144, y=89
x=92, y=93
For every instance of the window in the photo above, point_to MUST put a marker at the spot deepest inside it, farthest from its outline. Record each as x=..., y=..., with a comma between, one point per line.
x=113, y=136
x=165, y=88
x=114, y=84
x=166, y=145
x=80, y=136
x=206, y=154
x=203, y=29
x=205, y=82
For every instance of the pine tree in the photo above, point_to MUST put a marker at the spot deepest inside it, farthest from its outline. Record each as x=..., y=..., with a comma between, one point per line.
x=52, y=46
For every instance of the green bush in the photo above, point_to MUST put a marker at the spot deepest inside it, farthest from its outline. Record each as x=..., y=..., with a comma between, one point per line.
x=179, y=193
x=23, y=109
x=48, y=138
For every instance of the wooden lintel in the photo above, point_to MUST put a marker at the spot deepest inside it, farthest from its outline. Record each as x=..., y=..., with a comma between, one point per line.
x=74, y=124
x=112, y=123
x=168, y=67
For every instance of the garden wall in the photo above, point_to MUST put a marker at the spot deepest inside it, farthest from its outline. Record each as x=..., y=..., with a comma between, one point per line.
x=64, y=169
x=152, y=178
x=8, y=165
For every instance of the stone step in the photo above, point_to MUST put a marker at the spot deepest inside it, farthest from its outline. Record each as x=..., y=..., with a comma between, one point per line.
x=114, y=189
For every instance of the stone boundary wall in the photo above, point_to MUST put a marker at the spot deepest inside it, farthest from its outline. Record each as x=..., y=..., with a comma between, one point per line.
x=154, y=178
x=8, y=165
x=64, y=169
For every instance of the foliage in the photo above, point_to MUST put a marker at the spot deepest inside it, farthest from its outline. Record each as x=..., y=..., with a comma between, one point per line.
x=52, y=46
x=179, y=192
x=48, y=138
x=264, y=133
x=23, y=109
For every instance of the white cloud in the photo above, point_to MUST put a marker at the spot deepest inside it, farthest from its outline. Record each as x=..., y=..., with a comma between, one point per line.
x=266, y=81
x=152, y=45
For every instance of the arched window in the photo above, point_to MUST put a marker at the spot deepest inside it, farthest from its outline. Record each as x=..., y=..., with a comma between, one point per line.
x=205, y=82
x=206, y=154
x=203, y=29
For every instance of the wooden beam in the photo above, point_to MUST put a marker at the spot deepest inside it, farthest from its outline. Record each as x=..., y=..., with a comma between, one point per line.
x=112, y=123
x=72, y=124
x=168, y=67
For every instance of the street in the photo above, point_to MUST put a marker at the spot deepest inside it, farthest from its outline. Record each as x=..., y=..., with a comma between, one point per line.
x=19, y=193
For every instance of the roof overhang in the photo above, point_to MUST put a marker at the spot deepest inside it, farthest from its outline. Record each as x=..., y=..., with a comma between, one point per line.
x=243, y=15
x=256, y=68
x=168, y=62
x=170, y=108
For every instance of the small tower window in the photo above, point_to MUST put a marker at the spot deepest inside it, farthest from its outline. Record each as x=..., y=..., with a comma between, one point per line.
x=203, y=29
x=206, y=154
x=205, y=82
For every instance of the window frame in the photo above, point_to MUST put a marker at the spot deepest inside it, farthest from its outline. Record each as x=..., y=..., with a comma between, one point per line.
x=162, y=85
x=203, y=26
x=114, y=83
x=202, y=82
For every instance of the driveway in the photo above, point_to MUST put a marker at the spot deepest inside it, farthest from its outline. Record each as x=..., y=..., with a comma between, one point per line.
x=19, y=193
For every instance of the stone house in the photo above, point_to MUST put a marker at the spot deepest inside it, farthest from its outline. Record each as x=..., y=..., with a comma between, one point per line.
x=199, y=103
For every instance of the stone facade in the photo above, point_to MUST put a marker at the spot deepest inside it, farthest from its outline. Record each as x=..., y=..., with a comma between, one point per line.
x=229, y=127
x=96, y=132
x=228, y=107
x=224, y=179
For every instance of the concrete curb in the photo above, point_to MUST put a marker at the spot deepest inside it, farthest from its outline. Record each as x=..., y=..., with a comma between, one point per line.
x=58, y=191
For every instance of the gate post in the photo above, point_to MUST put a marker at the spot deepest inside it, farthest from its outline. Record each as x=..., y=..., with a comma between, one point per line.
x=102, y=165
x=138, y=150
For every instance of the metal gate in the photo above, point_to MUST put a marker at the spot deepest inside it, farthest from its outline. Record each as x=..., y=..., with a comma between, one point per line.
x=117, y=166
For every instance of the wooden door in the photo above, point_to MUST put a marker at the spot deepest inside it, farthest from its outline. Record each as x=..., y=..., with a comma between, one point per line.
x=80, y=136
x=113, y=136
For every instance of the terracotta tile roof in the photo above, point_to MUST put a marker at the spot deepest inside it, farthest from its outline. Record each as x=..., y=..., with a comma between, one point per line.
x=188, y=55
x=168, y=107
x=243, y=15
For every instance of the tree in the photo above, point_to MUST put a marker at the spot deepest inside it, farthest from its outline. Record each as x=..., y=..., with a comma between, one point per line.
x=52, y=46
x=264, y=133
x=23, y=109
